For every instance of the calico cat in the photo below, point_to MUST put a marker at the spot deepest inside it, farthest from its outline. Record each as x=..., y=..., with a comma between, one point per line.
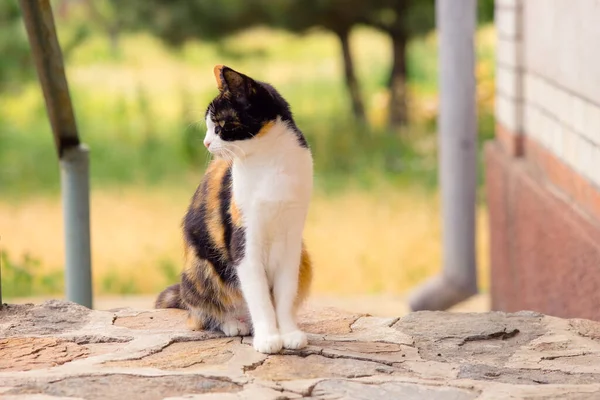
x=246, y=267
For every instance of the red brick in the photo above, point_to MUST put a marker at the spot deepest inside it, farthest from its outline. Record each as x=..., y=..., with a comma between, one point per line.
x=545, y=252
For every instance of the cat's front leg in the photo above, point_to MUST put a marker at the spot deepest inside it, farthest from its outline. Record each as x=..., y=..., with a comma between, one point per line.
x=285, y=291
x=255, y=288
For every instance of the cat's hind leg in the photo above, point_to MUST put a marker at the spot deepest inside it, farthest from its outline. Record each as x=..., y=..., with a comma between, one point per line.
x=235, y=324
x=230, y=324
x=211, y=306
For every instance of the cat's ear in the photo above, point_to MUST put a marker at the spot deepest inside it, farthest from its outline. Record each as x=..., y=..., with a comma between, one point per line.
x=235, y=83
x=219, y=76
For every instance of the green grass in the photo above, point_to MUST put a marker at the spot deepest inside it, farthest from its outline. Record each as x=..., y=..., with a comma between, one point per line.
x=23, y=277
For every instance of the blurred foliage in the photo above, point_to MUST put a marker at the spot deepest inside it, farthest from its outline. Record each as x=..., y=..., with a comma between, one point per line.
x=23, y=277
x=182, y=20
x=15, y=60
x=177, y=21
x=150, y=134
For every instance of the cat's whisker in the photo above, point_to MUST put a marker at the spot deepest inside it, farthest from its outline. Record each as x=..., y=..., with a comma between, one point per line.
x=230, y=157
x=237, y=157
x=207, y=160
x=235, y=146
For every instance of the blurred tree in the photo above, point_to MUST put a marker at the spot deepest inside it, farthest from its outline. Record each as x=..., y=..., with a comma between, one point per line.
x=82, y=17
x=104, y=13
x=15, y=60
x=176, y=21
x=403, y=20
x=485, y=11
x=337, y=16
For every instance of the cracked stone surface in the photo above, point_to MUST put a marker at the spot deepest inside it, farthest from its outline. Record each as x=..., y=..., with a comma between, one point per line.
x=59, y=350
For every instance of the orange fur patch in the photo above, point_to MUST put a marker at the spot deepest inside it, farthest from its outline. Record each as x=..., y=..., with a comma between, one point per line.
x=217, y=70
x=236, y=216
x=214, y=224
x=265, y=128
x=304, y=277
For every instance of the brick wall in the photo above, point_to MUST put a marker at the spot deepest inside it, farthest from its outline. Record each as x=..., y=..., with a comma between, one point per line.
x=548, y=135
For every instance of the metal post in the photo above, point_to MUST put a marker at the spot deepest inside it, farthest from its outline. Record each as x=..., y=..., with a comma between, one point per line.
x=456, y=22
x=39, y=23
x=75, y=185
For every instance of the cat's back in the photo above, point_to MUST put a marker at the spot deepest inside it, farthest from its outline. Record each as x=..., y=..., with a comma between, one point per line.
x=214, y=187
x=211, y=215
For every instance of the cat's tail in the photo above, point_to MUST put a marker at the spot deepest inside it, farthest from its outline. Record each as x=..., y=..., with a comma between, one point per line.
x=170, y=298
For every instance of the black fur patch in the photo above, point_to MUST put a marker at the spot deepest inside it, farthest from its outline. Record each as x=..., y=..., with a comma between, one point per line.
x=208, y=298
x=245, y=106
x=237, y=246
x=225, y=199
x=197, y=235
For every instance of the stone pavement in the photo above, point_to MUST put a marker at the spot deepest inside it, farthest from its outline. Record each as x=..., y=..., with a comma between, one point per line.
x=59, y=350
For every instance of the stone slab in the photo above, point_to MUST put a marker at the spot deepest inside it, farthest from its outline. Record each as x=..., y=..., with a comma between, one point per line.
x=58, y=350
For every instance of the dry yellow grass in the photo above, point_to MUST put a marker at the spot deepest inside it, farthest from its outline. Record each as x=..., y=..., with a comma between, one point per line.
x=379, y=242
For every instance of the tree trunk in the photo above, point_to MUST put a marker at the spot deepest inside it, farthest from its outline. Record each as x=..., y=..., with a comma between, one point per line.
x=113, y=38
x=358, y=107
x=398, y=106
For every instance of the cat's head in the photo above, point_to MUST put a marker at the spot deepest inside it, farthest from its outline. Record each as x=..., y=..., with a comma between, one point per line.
x=242, y=114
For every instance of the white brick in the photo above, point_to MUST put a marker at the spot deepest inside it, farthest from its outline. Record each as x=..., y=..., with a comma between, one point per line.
x=508, y=82
x=585, y=158
x=570, y=148
x=528, y=119
x=567, y=115
x=546, y=94
x=506, y=113
x=596, y=166
x=536, y=91
x=548, y=98
x=506, y=23
x=508, y=52
x=532, y=88
x=543, y=134
x=531, y=121
x=558, y=35
x=561, y=106
x=556, y=132
x=578, y=114
x=591, y=116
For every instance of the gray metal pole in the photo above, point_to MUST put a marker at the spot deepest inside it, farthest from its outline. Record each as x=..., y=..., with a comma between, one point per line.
x=47, y=55
x=76, y=210
x=456, y=22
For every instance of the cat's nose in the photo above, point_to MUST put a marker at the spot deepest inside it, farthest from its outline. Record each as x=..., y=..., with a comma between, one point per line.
x=207, y=143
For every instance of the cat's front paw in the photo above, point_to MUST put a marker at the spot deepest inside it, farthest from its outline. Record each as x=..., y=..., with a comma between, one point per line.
x=235, y=327
x=294, y=340
x=268, y=344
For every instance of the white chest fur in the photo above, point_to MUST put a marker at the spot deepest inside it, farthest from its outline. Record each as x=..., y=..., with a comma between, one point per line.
x=272, y=188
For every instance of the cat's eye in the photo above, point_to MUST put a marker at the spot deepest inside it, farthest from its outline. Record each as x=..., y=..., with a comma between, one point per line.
x=221, y=123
